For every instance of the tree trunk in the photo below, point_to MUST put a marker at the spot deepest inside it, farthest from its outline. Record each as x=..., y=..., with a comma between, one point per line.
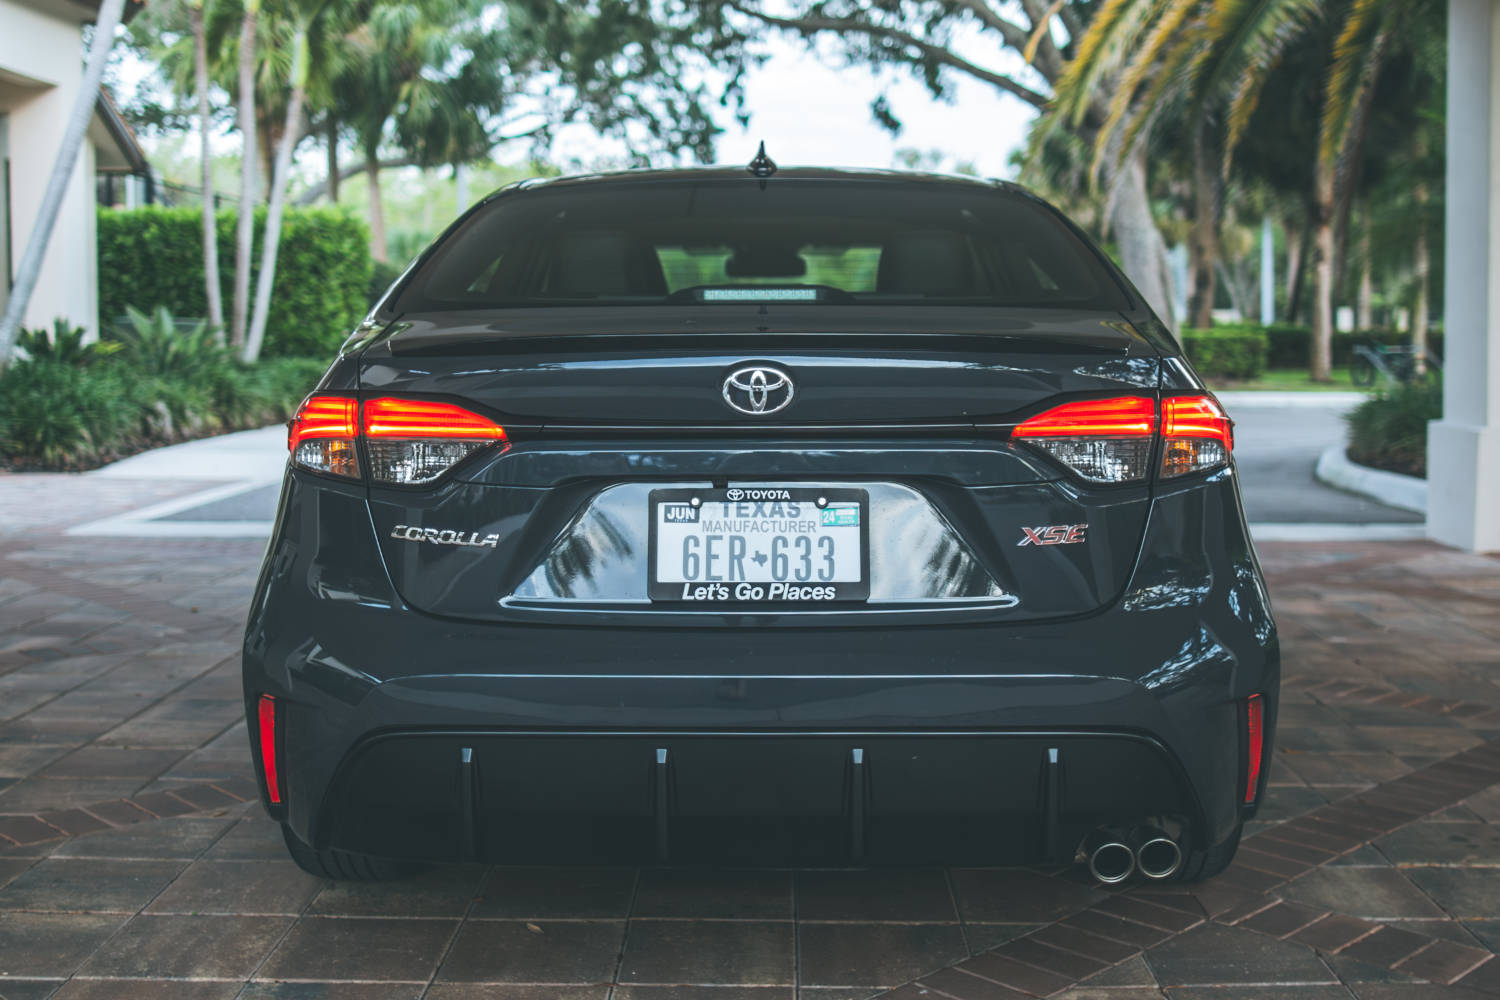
x=1299, y=275
x=377, y=209
x=1364, y=299
x=245, y=231
x=1320, y=363
x=1422, y=264
x=211, y=291
x=332, y=184
x=271, y=239
x=1143, y=253
x=29, y=268
x=1204, y=241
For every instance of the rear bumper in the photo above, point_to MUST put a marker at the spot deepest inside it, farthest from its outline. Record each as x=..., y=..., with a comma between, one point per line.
x=955, y=725
x=955, y=721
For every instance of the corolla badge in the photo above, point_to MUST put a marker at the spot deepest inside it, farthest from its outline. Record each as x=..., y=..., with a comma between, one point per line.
x=758, y=390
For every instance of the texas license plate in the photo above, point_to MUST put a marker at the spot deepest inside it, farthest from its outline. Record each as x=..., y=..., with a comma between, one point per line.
x=760, y=545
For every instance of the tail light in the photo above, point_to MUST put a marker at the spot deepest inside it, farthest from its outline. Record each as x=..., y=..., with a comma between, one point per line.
x=322, y=436
x=407, y=441
x=1102, y=440
x=269, y=759
x=1255, y=744
x=412, y=441
x=1112, y=440
x=1197, y=435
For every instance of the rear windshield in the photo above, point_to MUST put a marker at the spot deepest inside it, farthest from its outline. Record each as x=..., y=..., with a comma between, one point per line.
x=730, y=240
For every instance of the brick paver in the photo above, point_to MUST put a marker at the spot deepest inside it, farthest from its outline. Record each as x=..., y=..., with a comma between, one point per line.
x=132, y=864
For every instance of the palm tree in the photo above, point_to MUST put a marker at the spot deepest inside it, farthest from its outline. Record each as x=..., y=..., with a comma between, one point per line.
x=427, y=75
x=1213, y=58
x=210, y=222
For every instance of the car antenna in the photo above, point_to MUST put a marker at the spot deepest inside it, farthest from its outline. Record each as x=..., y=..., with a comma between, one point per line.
x=762, y=166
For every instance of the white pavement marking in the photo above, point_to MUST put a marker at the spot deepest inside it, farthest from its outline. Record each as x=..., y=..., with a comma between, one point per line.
x=141, y=523
x=1300, y=400
x=1264, y=532
x=247, y=456
x=250, y=460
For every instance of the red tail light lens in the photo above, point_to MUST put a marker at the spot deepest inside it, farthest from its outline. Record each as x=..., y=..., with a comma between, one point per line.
x=321, y=436
x=1197, y=435
x=1102, y=440
x=1255, y=731
x=266, y=719
x=408, y=441
x=416, y=441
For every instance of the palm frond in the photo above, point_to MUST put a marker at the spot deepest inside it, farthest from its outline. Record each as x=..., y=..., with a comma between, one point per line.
x=1351, y=73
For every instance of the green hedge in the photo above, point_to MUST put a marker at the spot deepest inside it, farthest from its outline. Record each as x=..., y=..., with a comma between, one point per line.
x=1389, y=430
x=153, y=257
x=1226, y=351
x=1291, y=344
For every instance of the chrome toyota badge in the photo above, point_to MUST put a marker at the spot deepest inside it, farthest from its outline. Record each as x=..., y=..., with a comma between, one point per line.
x=758, y=390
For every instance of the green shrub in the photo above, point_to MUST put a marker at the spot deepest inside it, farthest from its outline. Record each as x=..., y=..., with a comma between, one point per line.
x=64, y=344
x=1226, y=352
x=1389, y=430
x=164, y=381
x=152, y=258
x=59, y=415
x=1290, y=345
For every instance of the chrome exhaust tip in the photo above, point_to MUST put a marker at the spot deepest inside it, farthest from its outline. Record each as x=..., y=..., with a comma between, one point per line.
x=1110, y=860
x=1157, y=855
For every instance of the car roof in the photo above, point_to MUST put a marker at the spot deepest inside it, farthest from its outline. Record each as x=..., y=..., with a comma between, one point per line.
x=730, y=172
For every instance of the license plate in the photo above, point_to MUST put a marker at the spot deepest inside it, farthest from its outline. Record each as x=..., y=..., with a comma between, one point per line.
x=759, y=545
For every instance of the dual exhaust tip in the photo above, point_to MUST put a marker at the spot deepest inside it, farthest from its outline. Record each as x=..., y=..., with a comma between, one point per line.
x=1113, y=858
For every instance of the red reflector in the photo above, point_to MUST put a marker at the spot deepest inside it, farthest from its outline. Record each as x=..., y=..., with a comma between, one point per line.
x=409, y=418
x=267, y=717
x=1255, y=730
x=1127, y=416
x=1196, y=417
x=323, y=417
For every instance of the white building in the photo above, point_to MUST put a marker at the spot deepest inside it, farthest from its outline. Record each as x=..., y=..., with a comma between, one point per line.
x=41, y=71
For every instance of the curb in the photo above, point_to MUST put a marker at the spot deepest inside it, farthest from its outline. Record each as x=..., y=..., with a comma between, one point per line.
x=1300, y=400
x=1389, y=488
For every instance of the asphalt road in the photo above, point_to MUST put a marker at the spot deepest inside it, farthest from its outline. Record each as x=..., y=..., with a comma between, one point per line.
x=1276, y=449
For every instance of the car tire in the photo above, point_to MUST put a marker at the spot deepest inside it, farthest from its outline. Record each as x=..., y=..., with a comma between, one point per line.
x=1210, y=861
x=345, y=866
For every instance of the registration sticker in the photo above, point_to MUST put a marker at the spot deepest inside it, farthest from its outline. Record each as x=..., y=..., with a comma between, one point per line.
x=841, y=515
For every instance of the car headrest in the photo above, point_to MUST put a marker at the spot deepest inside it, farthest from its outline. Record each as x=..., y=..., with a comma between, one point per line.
x=604, y=262
x=926, y=262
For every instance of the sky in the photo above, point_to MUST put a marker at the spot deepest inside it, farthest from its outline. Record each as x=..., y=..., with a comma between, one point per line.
x=813, y=113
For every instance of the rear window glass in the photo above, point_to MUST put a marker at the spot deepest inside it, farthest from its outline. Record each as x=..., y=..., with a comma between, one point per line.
x=730, y=240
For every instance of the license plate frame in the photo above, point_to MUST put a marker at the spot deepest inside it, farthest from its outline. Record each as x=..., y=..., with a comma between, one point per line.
x=791, y=592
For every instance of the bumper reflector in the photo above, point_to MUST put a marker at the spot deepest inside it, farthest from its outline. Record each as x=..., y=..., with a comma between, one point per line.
x=1255, y=745
x=266, y=717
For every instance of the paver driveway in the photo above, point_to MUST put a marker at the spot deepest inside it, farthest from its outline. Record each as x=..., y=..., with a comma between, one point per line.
x=131, y=866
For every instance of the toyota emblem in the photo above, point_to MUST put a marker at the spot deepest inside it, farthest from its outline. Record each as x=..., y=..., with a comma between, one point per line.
x=758, y=390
